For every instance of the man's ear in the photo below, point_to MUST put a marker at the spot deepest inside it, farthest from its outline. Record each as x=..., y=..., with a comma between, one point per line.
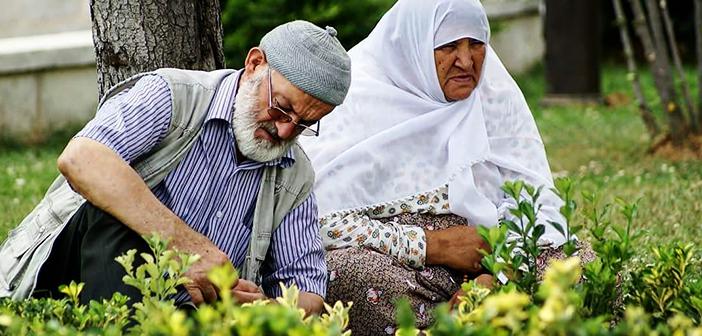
x=254, y=59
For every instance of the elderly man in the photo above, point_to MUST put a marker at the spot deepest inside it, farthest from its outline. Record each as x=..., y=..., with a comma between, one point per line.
x=205, y=159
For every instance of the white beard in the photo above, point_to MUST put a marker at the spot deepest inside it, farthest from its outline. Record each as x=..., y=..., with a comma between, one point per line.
x=244, y=124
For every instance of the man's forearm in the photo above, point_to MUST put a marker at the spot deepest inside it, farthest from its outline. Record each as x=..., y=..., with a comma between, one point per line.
x=108, y=182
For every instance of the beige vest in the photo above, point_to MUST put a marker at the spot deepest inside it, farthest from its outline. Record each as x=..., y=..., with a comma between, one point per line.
x=28, y=245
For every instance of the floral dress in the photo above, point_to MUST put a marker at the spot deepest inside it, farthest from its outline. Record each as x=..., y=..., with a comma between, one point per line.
x=377, y=256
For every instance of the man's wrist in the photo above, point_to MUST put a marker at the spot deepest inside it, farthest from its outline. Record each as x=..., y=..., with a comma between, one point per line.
x=188, y=240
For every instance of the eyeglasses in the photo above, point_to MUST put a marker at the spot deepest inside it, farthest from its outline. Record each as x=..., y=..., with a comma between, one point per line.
x=278, y=114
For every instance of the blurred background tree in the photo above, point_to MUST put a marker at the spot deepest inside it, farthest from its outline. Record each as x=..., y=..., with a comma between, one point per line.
x=245, y=22
x=653, y=25
x=682, y=14
x=139, y=37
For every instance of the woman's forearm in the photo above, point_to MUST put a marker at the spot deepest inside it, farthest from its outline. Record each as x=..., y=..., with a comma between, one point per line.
x=404, y=242
x=457, y=247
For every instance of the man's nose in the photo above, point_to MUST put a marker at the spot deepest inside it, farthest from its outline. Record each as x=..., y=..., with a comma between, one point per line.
x=286, y=130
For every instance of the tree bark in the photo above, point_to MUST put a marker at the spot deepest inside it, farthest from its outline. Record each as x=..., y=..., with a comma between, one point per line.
x=698, y=48
x=644, y=109
x=144, y=35
x=685, y=87
x=656, y=54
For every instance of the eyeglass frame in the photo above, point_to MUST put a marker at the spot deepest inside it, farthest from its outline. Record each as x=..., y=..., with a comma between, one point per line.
x=287, y=116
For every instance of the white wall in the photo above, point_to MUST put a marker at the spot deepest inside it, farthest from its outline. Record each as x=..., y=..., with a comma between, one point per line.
x=517, y=28
x=36, y=17
x=47, y=62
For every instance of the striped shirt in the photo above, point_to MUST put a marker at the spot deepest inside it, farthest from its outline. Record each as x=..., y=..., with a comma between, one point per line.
x=212, y=192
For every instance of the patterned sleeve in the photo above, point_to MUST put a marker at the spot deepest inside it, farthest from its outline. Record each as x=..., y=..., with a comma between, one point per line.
x=296, y=255
x=407, y=243
x=134, y=121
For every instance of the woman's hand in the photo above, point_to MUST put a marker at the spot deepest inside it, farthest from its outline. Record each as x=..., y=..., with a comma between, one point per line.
x=456, y=247
x=484, y=280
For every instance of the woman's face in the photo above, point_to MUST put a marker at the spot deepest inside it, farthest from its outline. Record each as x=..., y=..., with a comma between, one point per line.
x=458, y=66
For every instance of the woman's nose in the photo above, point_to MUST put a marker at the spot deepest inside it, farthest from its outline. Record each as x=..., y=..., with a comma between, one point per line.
x=464, y=57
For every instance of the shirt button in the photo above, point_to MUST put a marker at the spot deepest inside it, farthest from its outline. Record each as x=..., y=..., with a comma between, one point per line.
x=219, y=214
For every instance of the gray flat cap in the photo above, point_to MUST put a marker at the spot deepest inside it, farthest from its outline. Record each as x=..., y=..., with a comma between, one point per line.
x=311, y=58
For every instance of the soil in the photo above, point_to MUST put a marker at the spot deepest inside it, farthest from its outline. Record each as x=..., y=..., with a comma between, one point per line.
x=690, y=150
x=617, y=99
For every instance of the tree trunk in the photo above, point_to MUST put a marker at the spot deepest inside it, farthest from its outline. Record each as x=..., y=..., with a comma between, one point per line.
x=644, y=109
x=685, y=87
x=698, y=45
x=143, y=35
x=656, y=54
x=678, y=129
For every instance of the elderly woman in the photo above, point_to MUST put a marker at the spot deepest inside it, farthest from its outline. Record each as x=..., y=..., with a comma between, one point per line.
x=414, y=159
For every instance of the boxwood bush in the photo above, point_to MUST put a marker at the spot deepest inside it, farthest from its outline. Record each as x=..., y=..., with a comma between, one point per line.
x=612, y=295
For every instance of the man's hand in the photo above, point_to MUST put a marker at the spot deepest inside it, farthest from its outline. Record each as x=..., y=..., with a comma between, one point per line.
x=311, y=303
x=200, y=288
x=101, y=176
x=456, y=247
x=246, y=291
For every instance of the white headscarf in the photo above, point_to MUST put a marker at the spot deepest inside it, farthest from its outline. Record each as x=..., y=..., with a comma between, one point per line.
x=396, y=135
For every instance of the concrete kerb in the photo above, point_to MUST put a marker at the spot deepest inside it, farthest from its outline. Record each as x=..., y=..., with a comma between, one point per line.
x=47, y=83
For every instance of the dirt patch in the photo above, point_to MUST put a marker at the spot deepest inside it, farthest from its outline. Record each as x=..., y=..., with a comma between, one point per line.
x=690, y=150
x=617, y=99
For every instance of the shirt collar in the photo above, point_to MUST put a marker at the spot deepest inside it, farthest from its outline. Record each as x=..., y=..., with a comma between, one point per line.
x=285, y=161
x=223, y=101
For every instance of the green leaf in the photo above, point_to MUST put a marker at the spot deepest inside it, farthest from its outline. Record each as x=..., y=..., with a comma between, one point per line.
x=512, y=226
x=539, y=231
x=569, y=248
x=621, y=233
x=558, y=227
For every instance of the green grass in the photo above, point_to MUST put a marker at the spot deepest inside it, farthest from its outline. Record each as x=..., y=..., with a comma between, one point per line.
x=25, y=174
x=24, y=177
x=602, y=148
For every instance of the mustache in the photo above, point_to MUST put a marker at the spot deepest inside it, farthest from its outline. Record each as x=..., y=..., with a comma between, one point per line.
x=269, y=126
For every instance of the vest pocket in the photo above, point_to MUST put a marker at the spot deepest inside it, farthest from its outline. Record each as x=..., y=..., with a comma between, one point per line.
x=21, y=243
x=4, y=286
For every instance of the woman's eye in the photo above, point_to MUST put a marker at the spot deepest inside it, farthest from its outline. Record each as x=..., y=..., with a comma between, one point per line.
x=474, y=42
x=447, y=46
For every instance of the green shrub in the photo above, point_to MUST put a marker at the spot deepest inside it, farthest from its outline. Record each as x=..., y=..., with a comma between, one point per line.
x=245, y=22
x=156, y=313
x=665, y=287
x=661, y=297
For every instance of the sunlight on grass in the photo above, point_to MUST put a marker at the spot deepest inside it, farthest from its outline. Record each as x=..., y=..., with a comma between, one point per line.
x=604, y=150
x=25, y=174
